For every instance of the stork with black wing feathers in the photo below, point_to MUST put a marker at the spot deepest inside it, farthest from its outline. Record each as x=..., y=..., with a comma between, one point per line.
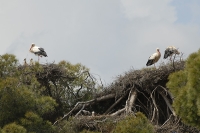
x=38, y=51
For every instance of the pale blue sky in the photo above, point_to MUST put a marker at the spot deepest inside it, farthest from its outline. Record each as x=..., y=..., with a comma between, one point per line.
x=187, y=11
x=108, y=36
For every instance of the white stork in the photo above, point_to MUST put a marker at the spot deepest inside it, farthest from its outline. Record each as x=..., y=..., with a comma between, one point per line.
x=154, y=58
x=25, y=63
x=37, y=51
x=31, y=62
x=170, y=51
x=93, y=113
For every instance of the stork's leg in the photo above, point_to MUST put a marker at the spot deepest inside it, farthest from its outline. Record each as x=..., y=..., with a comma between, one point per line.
x=38, y=58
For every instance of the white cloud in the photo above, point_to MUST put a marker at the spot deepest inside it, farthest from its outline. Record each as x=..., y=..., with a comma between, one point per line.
x=154, y=10
x=195, y=10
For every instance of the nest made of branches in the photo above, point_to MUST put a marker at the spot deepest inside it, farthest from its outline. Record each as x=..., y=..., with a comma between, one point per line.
x=136, y=90
x=144, y=79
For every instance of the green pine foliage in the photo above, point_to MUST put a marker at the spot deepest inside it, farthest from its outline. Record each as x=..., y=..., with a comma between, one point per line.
x=134, y=124
x=8, y=64
x=19, y=95
x=185, y=87
x=80, y=88
x=67, y=126
x=13, y=128
x=80, y=74
x=34, y=123
x=31, y=103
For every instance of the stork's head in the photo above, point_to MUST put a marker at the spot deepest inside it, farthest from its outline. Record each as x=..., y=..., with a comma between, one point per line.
x=157, y=49
x=24, y=59
x=177, y=52
x=32, y=45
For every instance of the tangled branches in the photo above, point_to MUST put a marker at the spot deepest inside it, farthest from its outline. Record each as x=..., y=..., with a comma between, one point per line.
x=137, y=90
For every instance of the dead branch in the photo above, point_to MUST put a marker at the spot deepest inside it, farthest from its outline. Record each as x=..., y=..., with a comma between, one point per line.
x=131, y=100
x=155, y=110
x=108, y=110
x=166, y=121
x=118, y=112
x=168, y=103
x=80, y=110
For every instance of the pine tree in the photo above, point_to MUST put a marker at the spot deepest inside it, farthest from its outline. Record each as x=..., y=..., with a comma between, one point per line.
x=185, y=87
x=17, y=97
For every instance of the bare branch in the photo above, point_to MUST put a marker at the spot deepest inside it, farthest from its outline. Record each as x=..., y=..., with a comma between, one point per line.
x=118, y=112
x=131, y=100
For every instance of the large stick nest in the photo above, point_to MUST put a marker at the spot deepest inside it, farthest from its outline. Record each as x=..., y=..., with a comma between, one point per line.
x=137, y=90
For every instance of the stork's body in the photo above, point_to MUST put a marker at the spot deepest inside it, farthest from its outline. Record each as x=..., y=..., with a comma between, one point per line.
x=154, y=58
x=31, y=62
x=93, y=113
x=38, y=51
x=170, y=51
x=25, y=63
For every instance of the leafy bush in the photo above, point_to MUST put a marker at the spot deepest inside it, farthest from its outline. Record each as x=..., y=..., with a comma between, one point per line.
x=185, y=87
x=134, y=124
x=66, y=126
x=33, y=123
x=13, y=128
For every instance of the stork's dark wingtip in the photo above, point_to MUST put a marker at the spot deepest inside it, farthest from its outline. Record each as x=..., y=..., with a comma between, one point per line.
x=149, y=63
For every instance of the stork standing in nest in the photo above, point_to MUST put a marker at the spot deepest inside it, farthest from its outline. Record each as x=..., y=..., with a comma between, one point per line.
x=38, y=51
x=31, y=62
x=25, y=63
x=170, y=51
x=154, y=58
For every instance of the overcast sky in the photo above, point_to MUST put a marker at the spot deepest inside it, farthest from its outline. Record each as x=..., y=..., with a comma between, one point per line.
x=108, y=36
